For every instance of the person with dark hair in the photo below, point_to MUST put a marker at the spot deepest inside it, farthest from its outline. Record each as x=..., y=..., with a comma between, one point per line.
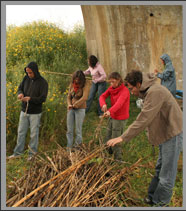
x=32, y=92
x=163, y=118
x=118, y=113
x=168, y=77
x=98, y=81
x=76, y=105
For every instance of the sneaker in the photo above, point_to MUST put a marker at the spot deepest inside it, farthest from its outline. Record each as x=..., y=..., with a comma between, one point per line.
x=110, y=150
x=118, y=158
x=13, y=156
x=148, y=201
x=29, y=158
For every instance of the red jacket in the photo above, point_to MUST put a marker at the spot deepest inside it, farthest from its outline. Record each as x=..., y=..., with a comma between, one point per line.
x=120, y=101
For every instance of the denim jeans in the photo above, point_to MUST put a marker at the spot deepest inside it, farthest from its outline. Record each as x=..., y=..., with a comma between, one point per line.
x=74, y=117
x=26, y=121
x=99, y=87
x=115, y=128
x=161, y=186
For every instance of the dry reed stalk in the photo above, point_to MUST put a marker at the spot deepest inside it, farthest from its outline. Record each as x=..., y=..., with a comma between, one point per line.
x=64, y=173
x=11, y=201
x=52, y=163
x=85, y=183
x=94, y=189
x=53, y=202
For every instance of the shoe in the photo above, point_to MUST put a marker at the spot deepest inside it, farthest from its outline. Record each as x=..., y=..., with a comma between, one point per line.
x=29, y=158
x=148, y=201
x=118, y=158
x=13, y=156
x=100, y=116
x=110, y=151
x=78, y=147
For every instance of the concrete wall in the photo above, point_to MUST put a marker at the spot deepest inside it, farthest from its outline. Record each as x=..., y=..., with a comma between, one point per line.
x=134, y=37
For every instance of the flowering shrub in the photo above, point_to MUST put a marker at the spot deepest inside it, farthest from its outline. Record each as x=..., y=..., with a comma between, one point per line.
x=54, y=51
x=46, y=44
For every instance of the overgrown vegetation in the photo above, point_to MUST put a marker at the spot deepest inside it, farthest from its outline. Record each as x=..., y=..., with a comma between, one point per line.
x=57, y=51
x=54, y=51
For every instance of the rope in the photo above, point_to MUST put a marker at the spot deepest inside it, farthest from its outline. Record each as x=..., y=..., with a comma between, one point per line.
x=63, y=74
x=16, y=102
x=26, y=108
x=57, y=73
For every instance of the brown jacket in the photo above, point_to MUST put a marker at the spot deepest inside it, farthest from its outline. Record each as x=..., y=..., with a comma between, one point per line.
x=161, y=114
x=78, y=100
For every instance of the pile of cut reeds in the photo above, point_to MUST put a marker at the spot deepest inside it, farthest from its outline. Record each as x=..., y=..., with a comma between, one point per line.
x=81, y=178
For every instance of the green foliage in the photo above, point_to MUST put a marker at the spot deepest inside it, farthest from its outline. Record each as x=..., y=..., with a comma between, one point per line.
x=95, y=160
x=54, y=51
x=49, y=46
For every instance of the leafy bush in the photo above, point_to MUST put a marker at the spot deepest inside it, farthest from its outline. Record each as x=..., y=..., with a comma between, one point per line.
x=48, y=45
x=54, y=51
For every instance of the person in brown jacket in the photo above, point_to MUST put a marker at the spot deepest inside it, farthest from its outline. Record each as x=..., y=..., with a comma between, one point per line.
x=163, y=119
x=76, y=105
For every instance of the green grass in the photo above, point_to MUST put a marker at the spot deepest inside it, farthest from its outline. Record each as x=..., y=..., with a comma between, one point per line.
x=60, y=52
x=137, y=148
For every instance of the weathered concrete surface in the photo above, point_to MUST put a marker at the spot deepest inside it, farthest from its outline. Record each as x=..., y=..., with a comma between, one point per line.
x=134, y=37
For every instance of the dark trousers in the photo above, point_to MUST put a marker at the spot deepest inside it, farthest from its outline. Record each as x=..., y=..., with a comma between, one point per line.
x=115, y=128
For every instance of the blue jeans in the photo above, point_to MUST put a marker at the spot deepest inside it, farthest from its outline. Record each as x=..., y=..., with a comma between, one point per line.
x=99, y=87
x=74, y=117
x=26, y=121
x=160, y=189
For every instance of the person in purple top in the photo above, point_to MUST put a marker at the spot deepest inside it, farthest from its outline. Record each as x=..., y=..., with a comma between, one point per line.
x=98, y=81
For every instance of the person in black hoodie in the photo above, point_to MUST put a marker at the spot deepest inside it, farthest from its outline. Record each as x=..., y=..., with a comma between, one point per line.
x=32, y=92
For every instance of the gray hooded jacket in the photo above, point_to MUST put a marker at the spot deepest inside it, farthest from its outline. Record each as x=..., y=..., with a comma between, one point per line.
x=168, y=77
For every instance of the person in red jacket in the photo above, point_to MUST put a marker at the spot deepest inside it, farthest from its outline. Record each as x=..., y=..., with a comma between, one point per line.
x=118, y=113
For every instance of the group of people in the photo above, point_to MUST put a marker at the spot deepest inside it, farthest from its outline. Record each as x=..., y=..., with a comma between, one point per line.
x=81, y=95
x=160, y=115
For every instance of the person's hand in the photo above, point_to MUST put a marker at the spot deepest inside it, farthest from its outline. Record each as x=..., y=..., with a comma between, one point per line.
x=20, y=96
x=95, y=80
x=156, y=71
x=74, y=106
x=104, y=108
x=106, y=114
x=25, y=99
x=70, y=107
x=114, y=141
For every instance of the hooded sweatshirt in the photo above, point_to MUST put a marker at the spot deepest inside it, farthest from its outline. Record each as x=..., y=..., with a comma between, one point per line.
x=168, y=77
x=36, y=88
x=161, y=114
x=120, y=100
